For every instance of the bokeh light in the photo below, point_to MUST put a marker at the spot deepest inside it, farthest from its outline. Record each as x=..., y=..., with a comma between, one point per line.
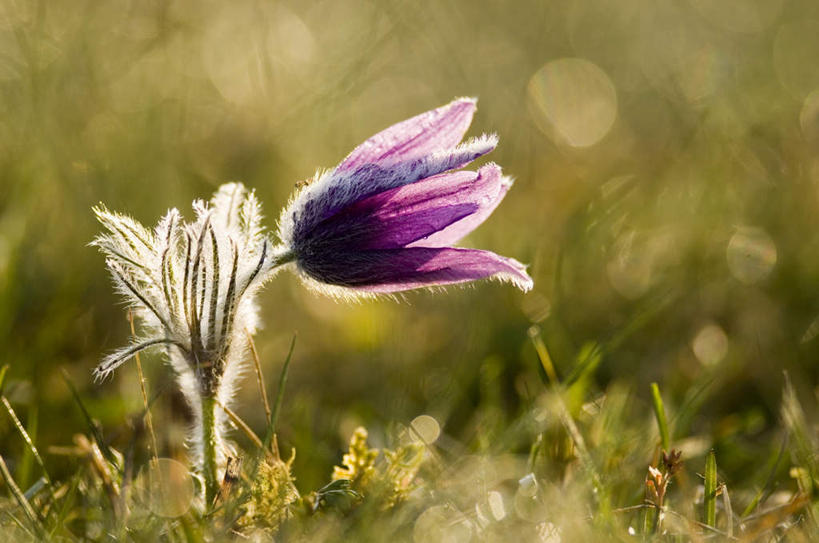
x=751, y=254
x=426, y=428
x=167, y=487
x=573, y=101
x=710, y=344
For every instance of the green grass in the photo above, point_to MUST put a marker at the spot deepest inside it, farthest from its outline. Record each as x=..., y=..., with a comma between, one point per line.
x=586, y=477
x=676, y=268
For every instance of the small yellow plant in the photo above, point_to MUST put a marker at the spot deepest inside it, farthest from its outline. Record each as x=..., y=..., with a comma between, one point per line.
x=272, y=495
x=359, y=462
x=389, y=482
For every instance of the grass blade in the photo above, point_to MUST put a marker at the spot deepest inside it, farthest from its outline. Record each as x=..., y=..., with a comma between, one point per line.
x=659, y=413
x=650, y=520
x=21, y=499
x=3, y=371
x=25, y=466
x=271, y=425
x=552, y=384
x=92, y=426
x=147, y=418
x=242, y=425
x=68, y=502
x=26, y=437
x=20, y=525
x=546, y=365
x=729, y=511
x=767, y=488
x=259, y=377
x=804, y=445
x=710, y=500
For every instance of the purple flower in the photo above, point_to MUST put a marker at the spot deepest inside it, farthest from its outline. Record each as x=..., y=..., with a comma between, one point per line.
x=385, y=218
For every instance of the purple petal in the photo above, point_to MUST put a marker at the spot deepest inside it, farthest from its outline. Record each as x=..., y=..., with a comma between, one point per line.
x=435, y=130
x=458, y=157
x=394, y=270
x=331, y=193
x=433, y=212
x=372, y=179
x=397, y=217
x=486, y=192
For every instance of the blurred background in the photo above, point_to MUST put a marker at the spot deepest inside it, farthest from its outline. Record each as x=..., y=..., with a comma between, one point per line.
x=667, y=198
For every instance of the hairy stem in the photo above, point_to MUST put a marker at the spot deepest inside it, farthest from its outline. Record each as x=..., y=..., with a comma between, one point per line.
x=280, y=257
x=209, y=467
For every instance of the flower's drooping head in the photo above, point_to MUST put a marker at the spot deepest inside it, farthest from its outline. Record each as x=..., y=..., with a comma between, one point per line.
x=385, y=218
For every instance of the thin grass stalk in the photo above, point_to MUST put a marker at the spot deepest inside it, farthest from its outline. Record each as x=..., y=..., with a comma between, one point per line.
x=543, y=355
x=92, y=426
x=767, y=488
x=26, y=438
x=242, y=425
x=23, y=470
x=17, y=522
x=565, y=415
x=270, y=443
x=3, y=371
x=651, y=519
x=710, y=500
x=258, y=366
x=24, y=504
x=102, y=468
x=68, y=492
x=147, y=418
x=729, y=511
x=271, y=429
x=659, y=413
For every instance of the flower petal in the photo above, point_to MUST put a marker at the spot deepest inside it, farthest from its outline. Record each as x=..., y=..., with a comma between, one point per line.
x=433, y=212
x=334, y=191
x=485, y=193
x=395, y=270
x=435, y=130
x=372, y=179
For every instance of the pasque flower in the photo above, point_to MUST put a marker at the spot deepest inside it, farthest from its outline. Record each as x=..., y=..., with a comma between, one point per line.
x=382, y=221
x=385, y=218
x=193, y=286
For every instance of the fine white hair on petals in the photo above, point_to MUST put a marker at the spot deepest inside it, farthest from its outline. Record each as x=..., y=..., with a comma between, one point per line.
x=344, y=294
x=120, y=356
x=354, y=232
x=191, y=284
